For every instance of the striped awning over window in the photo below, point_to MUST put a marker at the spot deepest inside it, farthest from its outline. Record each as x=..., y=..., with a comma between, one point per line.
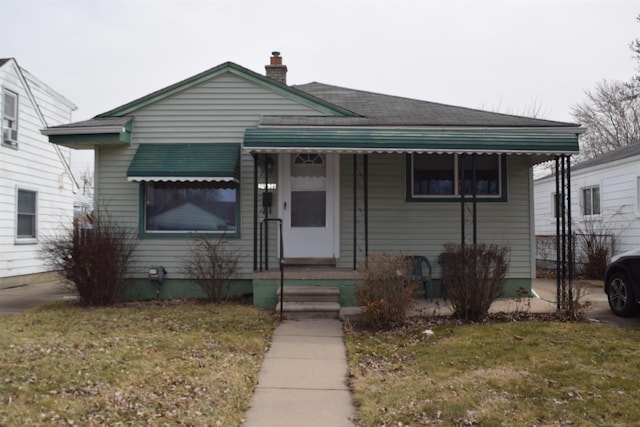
x=185, y=162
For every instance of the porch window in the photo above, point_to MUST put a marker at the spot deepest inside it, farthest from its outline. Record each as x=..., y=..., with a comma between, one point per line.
x=183, y=207
x=591, y=201
x=448, y=175
x=26, y=216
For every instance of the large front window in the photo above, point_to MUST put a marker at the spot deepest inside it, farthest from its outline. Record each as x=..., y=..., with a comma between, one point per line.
x=450, y=175
x=208, y=207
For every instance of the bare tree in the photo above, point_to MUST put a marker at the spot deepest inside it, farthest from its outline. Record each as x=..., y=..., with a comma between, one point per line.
x=611, y=114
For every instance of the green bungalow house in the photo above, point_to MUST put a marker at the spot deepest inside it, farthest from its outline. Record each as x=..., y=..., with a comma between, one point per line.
x=315, y=175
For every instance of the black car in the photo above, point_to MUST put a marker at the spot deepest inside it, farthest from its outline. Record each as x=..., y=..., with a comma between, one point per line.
x=622, y=283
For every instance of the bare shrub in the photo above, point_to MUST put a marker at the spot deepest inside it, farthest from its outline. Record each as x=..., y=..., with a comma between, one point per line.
x=474, y=277
x=213, y=267
x=387, y=289
x=94, y=259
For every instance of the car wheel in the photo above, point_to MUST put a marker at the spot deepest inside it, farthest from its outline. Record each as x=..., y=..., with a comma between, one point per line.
x=622, y=299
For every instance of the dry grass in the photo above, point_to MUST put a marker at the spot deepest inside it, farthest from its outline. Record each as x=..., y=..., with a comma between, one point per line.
x=181, y=363
x=520, y=373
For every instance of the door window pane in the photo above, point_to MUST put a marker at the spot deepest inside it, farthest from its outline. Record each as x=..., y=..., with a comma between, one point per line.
x=308, y=208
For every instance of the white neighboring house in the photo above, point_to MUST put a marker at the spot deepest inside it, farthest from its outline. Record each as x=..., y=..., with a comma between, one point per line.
x=37, y=187
x=605, y=195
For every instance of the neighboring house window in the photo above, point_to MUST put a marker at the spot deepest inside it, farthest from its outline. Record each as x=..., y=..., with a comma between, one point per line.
x=26, y=215
x=9, y=118
x=448, y=175
x=181, y=207
x=591, y=201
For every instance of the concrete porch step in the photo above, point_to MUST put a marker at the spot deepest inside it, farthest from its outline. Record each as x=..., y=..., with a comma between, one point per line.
x=308, y=310
x=310, y=294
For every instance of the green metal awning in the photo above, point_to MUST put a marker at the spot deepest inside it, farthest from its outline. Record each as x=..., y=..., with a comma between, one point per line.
x=185, y=162
x=371, y=140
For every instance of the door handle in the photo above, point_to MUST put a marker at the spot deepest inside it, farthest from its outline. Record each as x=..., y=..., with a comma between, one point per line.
x=285, y=205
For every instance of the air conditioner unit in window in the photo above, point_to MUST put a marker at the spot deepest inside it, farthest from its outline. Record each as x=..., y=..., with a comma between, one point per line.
x=10, y=136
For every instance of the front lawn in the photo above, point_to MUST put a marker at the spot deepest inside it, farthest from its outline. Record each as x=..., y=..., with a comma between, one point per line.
x=174, y=363
x=521, y=373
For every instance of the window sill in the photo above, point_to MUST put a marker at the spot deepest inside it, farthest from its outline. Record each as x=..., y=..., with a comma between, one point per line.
x=187, y=235
x=30, y=241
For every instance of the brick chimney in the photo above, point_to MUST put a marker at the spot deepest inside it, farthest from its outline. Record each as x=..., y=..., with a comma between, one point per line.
x=275, y=70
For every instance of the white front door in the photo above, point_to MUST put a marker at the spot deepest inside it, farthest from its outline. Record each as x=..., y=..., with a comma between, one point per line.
x=309, y=203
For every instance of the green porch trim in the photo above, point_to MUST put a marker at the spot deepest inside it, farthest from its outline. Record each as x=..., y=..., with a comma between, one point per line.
x=122, y=138
x=229, y=67
x=394, y=139
x=410, y=198
x=143, y=289
x=144, y=234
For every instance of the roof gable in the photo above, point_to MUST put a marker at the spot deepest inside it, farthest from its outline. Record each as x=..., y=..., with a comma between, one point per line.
x=229, y=67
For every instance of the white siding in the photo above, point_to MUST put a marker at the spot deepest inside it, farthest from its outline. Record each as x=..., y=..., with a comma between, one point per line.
x=217, y=111
x=34, y=165
x=618, y=182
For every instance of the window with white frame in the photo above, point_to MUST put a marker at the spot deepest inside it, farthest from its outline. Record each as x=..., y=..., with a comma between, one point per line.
x=591, y=201
x=26, y=215
x=448, y=175
x=9, y=117
x=181, y=207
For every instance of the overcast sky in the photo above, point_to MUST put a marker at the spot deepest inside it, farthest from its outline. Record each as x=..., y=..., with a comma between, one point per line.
x=497, y=55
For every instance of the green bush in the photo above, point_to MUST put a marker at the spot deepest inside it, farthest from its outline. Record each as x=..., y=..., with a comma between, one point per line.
x=387, y=289
x=474, y=277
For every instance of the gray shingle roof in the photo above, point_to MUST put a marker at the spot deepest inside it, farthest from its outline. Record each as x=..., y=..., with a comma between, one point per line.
x=385, y=110
x=630, y=150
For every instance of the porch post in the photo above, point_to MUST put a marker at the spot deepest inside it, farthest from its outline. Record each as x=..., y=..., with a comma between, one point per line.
x=559, y=212
x=563, y=268
x=461, y=160
x=355, y=211
x=366, y=205
x=569, y=221
x=255, y=212
x=266, y=213
x=474, y=194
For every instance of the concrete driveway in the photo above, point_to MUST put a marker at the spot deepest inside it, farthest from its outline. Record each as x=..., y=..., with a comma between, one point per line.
x=598, y=310
x=27, y=295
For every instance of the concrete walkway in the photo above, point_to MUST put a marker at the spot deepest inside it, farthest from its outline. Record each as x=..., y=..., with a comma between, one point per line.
x=303, y=378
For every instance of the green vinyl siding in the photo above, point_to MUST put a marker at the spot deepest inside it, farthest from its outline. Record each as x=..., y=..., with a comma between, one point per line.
x=216, y=112
x=397, y=226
